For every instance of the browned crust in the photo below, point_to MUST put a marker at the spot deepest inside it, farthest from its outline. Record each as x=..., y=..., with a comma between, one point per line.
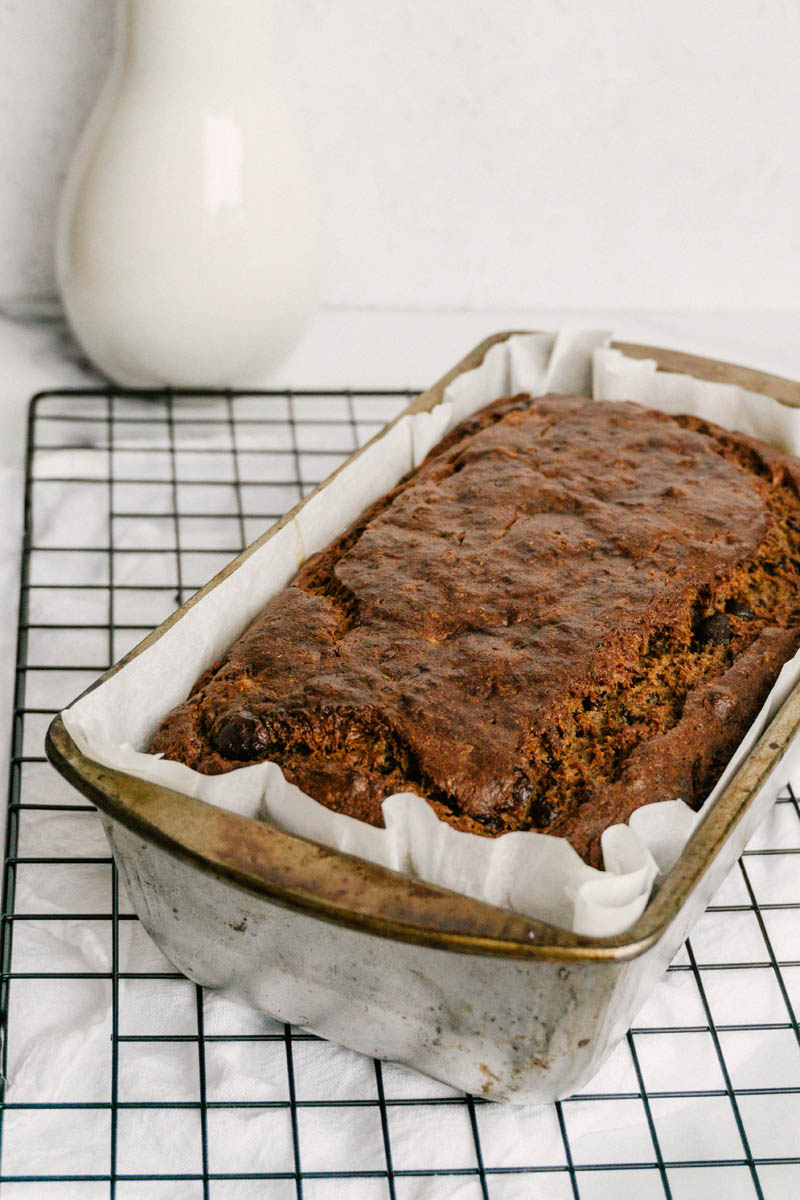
x=572, y=608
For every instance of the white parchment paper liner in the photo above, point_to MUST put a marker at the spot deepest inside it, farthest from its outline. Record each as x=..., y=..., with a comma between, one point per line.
x=532, y=873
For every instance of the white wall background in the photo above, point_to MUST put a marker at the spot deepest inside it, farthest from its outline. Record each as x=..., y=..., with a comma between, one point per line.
x=570, y=154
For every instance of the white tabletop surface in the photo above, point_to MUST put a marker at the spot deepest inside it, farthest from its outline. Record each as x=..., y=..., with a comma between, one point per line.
x=60, y=1050
x=345, y=348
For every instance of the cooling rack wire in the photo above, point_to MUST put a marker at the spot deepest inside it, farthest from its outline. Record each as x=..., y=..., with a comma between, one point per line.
x=133, y=502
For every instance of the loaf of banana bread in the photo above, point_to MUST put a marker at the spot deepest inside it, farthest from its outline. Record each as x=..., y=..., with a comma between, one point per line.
x=572, y=608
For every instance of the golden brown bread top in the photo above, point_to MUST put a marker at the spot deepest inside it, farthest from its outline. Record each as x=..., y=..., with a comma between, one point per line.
x=508, y=630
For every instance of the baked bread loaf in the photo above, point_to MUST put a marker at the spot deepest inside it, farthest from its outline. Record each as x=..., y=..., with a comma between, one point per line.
x=572, y=608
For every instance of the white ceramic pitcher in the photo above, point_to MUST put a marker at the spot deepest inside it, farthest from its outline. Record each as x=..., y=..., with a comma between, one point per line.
x=187, y=244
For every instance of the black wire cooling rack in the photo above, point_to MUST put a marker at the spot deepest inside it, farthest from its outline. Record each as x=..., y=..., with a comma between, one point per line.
x=132, y=501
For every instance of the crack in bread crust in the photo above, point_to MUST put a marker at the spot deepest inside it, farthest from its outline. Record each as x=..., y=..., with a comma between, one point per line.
x=570, y=609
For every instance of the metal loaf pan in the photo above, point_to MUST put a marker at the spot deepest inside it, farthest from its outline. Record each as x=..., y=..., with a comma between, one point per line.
x=482, y=998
